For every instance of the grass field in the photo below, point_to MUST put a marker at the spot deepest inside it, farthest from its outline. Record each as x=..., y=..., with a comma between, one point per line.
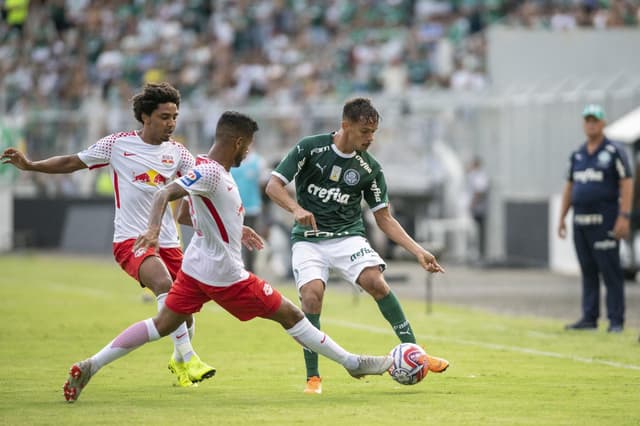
x=505, y=371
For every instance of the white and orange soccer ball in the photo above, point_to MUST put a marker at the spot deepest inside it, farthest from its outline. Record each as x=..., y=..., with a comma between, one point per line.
x=409, y=365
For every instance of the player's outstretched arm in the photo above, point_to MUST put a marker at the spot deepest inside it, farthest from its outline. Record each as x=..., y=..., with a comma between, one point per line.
x=57, y=164
x=161, y=198
x=392, y=229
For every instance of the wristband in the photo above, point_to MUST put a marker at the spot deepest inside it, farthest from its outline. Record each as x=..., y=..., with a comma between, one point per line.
x=625, y=215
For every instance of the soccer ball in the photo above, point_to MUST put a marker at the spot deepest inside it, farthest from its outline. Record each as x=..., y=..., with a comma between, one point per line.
x=409, y=364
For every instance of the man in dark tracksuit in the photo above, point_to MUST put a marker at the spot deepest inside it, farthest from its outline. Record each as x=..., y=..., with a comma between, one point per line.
x=599, y=188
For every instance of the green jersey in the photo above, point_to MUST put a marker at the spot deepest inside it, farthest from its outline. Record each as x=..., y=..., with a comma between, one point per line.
x=331, y=185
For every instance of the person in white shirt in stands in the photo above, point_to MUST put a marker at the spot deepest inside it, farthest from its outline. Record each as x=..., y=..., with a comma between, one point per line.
x=212, y=268
x=478, y=191
x=142, y=162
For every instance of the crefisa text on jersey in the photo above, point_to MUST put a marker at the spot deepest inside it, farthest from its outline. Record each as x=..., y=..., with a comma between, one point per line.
x=328, y=194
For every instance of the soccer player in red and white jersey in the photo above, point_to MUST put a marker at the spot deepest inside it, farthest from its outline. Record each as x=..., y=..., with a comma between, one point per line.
x=143, y=161
x=212, y=268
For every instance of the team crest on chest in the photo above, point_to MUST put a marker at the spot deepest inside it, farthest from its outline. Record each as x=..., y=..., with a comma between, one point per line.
x=167, y=160
x=604, y=158
x=336, y=171
x=351, y=177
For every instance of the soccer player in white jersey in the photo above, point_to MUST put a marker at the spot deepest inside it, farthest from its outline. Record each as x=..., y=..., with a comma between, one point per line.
x=212, y=268
x=333, y=172
x=143, y=161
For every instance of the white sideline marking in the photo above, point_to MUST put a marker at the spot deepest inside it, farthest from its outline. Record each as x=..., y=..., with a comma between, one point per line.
x=495, y=346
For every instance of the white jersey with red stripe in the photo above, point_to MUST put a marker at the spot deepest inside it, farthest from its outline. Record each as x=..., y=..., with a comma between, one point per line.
x=139, y=170
x=214, y=255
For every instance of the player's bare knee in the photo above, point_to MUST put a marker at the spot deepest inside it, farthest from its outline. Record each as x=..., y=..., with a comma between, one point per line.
x=377, y=287
x=293, y=316
x=379, y=293
x=158, y=285
x=164, y=284
x=154, y=275
x=311, y=295
x=311, y=305
x=287, y=314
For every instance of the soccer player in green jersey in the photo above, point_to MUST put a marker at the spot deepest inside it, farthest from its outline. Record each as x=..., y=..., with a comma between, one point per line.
x=333, y=172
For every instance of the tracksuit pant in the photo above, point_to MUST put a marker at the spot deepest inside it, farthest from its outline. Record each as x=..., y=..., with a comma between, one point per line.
x=599, y=255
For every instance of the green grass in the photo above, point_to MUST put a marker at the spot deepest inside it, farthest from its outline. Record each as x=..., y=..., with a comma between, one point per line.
x=505, y=371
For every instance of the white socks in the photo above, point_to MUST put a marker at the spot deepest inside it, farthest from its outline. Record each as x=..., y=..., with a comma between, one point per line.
x=192, y=329
x=182, y=349
x=311, y=338
x=132, y=338
x=140, y=333
x=145, y=331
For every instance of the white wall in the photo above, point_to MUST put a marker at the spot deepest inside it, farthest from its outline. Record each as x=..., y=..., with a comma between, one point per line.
x=6, y=219
x=526, y=57
x=562, y=254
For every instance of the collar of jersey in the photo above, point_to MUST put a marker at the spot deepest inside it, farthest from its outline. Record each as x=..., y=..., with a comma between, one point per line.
x=339, y=153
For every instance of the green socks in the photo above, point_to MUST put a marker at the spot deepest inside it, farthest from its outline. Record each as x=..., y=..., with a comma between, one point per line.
x=310, y=357
x=392, y=311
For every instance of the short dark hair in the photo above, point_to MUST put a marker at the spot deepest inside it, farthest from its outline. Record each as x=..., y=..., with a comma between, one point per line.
x=152, y=95
x=360, y=109
x=233, y=124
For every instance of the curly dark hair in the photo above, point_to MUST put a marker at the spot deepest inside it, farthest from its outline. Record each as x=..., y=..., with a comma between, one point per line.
x=151, y=96
x=360, y=109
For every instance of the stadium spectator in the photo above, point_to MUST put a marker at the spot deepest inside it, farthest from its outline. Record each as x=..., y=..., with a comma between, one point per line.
x=563, y=20
x=16, y=12
x=478, y=187
x=212, y=267
x=227, y=49
x=333, y=173
x=466, y=77
x=235, y=43
x=599, y=188
x=142, y=161
x=72, y=57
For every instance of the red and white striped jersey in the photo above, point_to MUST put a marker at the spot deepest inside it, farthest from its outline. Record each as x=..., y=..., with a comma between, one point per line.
x=139, y=170
x=214, y=253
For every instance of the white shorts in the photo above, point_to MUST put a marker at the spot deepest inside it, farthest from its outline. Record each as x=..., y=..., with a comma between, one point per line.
x=349, y=256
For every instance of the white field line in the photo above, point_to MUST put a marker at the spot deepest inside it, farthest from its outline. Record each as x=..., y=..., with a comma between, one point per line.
x=61, y=287
x=494, y=346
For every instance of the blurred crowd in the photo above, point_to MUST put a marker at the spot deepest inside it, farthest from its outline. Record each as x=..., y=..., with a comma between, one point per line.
x=55, y=53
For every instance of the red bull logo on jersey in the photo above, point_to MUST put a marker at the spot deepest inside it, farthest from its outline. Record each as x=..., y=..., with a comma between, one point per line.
x=167, y=160
x=150, y=177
